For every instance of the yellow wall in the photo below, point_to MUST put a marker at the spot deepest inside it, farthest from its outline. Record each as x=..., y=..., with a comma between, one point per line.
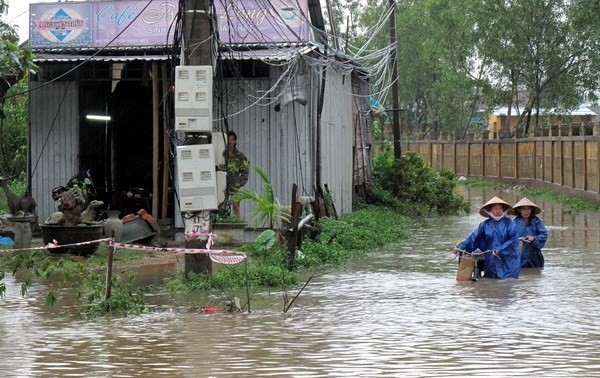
x=496, y=122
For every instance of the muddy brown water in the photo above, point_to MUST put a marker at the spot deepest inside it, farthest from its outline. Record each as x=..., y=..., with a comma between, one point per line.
x=397, y=313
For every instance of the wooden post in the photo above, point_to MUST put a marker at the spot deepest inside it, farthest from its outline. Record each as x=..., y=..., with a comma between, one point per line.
x=535, y=160
x=516, y=165
x=585, y=164
x=468, y=156
x=499, y=161
x=166, y=145
x=293, y=240
x=483, y=144
x=454, y=154
x=333, y=209
x=109, y=268
x=572, y=160
x=561, y=154
x=155, y=136
x=597, y=162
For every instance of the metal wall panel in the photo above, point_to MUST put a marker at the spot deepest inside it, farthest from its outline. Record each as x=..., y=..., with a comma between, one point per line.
x=54, y=140
x=281, y=139
x=337, y=133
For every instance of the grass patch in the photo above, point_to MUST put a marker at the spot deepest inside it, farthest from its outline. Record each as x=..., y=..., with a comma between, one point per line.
x=571, y=202
x=476, y=183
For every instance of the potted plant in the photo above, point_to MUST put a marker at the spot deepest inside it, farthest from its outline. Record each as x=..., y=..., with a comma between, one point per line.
x=228, y=229
x=267, y=209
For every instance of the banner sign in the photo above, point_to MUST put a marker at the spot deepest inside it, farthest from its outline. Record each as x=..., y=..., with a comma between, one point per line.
x=262, y=21
x=102, y=24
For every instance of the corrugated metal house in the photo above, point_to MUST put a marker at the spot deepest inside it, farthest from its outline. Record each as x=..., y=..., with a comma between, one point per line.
x=268, y=93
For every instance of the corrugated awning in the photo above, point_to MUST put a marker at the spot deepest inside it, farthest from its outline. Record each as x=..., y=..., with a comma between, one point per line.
x=264, y=54
x=47, y=57
x=268, y=54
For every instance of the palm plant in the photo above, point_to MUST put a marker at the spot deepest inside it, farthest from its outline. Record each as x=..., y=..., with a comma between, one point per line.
x=267, y=209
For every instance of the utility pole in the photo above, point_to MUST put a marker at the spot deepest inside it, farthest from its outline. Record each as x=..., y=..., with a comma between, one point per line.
x=197, y=35
x=395, y=101
x=197, y=40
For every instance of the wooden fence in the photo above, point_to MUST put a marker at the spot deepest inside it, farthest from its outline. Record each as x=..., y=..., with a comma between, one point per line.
x=570, y=164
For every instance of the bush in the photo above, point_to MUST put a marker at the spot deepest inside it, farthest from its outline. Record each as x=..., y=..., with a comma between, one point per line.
x=351, y=236
x=411, y=186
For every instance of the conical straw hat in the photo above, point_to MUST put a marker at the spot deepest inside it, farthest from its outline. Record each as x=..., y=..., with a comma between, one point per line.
x=491, y=202
x=535, y=209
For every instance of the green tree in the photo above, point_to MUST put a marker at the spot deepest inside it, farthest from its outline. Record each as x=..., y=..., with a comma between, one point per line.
x=13, y=132
x=456, y=57
x=16, y=63
x=440, y=77
x=541, y=53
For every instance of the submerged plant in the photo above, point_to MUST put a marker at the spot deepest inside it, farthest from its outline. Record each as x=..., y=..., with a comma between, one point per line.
x=86, y=278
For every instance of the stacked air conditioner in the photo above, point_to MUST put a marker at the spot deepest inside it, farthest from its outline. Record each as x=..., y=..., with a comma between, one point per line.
x=196, y=171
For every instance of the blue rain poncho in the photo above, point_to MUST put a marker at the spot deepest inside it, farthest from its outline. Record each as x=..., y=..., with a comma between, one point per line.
x=531, y=253
x=498, y=235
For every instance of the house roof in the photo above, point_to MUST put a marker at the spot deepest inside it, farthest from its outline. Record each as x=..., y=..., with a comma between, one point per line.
x=49, y=57
x=581, y=111
x=267, y=54
x=246, y=53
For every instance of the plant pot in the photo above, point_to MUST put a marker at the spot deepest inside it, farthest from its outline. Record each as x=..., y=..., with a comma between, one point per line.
x=228, y=233
x=72, y=235
x=113, y=226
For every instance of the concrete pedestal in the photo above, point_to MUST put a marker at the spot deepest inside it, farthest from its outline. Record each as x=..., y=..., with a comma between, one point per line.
x=22, y=229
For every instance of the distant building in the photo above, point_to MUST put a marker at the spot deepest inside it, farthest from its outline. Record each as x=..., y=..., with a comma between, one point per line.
x=548, y=117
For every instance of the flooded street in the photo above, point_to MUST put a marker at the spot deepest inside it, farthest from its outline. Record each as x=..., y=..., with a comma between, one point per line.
x=398, y=313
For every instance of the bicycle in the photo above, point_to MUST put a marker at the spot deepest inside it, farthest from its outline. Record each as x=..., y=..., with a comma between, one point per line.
x=469, y=267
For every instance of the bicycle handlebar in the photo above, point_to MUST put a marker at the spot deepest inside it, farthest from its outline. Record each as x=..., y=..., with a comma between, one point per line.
x=474, y=253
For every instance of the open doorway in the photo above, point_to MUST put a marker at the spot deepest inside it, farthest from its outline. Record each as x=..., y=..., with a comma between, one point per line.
x=118, y=152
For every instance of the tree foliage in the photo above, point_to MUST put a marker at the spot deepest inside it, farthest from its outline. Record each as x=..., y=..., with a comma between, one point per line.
x=455, y=58
x=15, y=61
x=13, y=133
x=540, y=58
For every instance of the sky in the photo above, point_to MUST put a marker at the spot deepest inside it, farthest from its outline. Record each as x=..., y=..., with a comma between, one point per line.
x=18, y=14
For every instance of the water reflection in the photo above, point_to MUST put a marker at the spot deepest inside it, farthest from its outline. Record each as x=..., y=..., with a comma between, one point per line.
x=399, y=312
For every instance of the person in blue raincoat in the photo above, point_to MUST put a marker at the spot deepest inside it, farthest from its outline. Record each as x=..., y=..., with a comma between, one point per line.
x=532, y=233
x=497, y=233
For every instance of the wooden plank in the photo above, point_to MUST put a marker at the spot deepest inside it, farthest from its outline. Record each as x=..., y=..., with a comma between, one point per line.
x=155, y=136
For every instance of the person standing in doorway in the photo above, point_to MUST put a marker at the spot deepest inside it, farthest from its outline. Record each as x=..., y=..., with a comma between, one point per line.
x=532, y=233
x=238, y=169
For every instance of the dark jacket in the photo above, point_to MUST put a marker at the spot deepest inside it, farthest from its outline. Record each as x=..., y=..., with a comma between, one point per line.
x=531, y=253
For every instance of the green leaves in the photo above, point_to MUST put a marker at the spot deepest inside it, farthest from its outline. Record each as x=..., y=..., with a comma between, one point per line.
x=85, y=278
x=267, y=208
x=16, y=62
x=411, y=186
x=457, y=57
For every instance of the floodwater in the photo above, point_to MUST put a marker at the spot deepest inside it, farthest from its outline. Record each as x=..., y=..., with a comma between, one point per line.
x=398, y=313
